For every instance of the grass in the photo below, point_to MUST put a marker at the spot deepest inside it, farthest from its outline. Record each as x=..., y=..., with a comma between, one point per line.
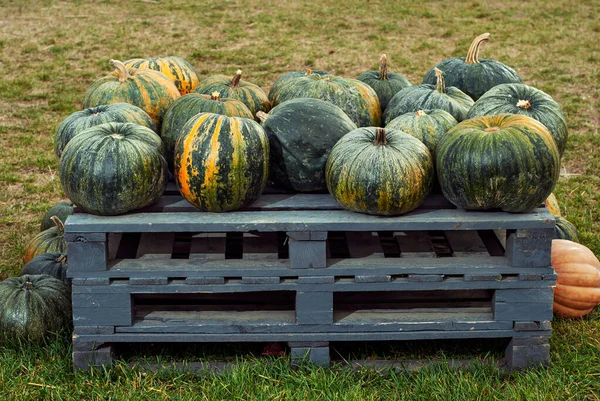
x=52, y=50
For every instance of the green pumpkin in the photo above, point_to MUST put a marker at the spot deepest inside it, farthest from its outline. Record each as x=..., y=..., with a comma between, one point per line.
x=150, y=90
x=62, y=210
x=221, y=163
x=428, y=126
x=236, y=88
x=528, y=101
x=114, y=168
x=49, y=240
x=104, y=113
x=385, y=83
x=356, y=99
x=426, y=96
x=472, y=75
x=53, y=264
x=33, y=306
x=301, y=134
x=288, y=75
x=379, y=171
x=187, y=107
x=177, y=69
x=509, y=162
x=564, y=229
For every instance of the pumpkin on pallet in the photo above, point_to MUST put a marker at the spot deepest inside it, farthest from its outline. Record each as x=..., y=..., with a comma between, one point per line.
x=177, y=69
x=50, y=240
x=62, y=210
x=384, y=82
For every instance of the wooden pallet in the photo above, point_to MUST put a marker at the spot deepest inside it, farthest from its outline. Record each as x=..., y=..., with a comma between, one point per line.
x=299, y=269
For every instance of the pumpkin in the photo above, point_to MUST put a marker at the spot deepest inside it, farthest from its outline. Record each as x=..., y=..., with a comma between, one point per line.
x=150, y=90
x=235, y=88
x=428, y=126
x=221, y=163
x=301, y=134
x=577, y=289
x=113, y=168
x=385, y=83
x=379, y=171
x=528, y=101
x=53, y=264
x=187, y=107
x=62, y=210
x=564, y=229
x=273, y=92
x=177, y=69
x=50, y=240
x=506, y=161
x=358, y=100
x=33, y=306
x=104, y=113
x=551, y=204
x=426, y=96
x=472, y=75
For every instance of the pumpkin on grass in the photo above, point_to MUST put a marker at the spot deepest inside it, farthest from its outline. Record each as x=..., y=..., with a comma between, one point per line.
x=564, y=229
x=273, y=92
x=385, y=83
x=50, y=240
x=177, y=69
x=53, y=264
x=577, y=289
x=62, y=210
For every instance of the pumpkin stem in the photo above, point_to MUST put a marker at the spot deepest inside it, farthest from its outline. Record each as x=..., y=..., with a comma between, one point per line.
x=380, y=137
x=235, y=82
x=440, y=85
x=420, y=113
x=58, y=223
x=383, y=70
x=308, y=71
x=523, y=104
x=28, y=286
x=215, y=96
x=62, y=258
x=120, y=69
x=473, y=53
x=262, y=116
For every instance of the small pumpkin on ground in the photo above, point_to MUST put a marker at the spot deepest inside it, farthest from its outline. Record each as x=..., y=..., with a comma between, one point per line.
x=472, y=75
x=379, y=171
x=177, y=69
x=221, y=163
x=506, y=161
x=33, y=306
x=564, y=229
x=426, y=96
x=62, y=210
x=577, y=289
x=150, y=90
x=50, y=240
x=385, y=83
x=104, y=113
x=236, y=88
x=528, y=101
x=551, y=204
x=273, y=92
x=53, y=264
x=113, y=168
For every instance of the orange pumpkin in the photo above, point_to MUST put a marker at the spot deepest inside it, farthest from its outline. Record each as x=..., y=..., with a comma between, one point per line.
x=577, y=289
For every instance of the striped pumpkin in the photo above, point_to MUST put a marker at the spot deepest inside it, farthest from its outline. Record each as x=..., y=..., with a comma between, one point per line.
x=187, y=107
x=221, y=163
x=53, y=264
x=564, y=229
x=113, y=168
x=236, y=88
x=50, y=240
x=273, y=92
x=150, y=90
x=385, y=83
x=104, y=113
x=177, y=69
x=62, y=210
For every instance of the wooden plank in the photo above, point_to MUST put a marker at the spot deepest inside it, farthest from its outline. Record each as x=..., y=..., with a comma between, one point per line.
x=316, y=355
x=307, y=254
x=87, y=256
x=530, y=248
x=153, y=244
x=314, y=308
x=466, y=243
x=102, y=356
x=414, y=244
x=260, y=246
x=102, y=316
x=522, y=353
x=523, y=305
x=364, y=244
x=209, y=246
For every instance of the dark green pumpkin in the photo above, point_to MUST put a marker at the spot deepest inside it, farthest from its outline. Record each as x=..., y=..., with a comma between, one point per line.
x=49, y=240
x=236, y=88
x=104, y=113
x=379, y=171
x=292, y=74
x=53, y=264
x=113, y=168
x=426, y=96
x=428, y=126
x=301, y=134
x=150, y=90
x=506, y=161
x=62, y=210
x=33, y=306
x=385, y=83
x=472, y=75
x=358, y=100
x=221, y=163
x=187, y=107
x=528, y=101
x=564, y=229
x=177, y=69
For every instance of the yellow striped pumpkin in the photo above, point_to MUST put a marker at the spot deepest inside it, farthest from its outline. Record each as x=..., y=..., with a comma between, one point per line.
x=177, y=69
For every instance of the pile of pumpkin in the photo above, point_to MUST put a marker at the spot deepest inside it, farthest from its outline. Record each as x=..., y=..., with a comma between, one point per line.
x=377, y=143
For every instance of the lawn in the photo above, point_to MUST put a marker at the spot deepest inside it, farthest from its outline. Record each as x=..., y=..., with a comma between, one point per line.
x=51, y=51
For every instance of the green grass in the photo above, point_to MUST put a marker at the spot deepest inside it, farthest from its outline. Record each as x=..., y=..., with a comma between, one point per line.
x=51, y=51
